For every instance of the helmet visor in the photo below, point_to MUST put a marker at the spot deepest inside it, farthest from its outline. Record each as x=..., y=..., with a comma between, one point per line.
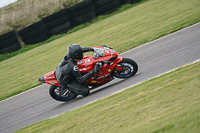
x=79, y=55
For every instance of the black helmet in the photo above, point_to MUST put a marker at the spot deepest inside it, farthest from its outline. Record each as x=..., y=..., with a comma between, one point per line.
x=75, y=51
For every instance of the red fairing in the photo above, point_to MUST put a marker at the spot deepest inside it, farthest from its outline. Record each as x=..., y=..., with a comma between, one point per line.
x=50, y=78
x=88, y=62
x=107, y=56
x=119, y=59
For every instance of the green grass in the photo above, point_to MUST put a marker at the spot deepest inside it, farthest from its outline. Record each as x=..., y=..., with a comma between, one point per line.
x=169, y=103
x=96, y=20
x=128, y=29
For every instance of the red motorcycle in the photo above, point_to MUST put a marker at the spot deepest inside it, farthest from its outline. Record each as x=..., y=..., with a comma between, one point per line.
x=112, y=66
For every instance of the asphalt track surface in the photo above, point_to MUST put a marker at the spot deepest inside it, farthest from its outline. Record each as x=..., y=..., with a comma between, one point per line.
x=154, y=58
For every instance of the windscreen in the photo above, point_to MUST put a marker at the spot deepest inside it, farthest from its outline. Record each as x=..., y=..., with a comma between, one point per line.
x=98, y=52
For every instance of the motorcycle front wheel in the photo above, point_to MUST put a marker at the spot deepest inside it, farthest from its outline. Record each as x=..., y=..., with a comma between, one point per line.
x=61, y=94
x=129, y=68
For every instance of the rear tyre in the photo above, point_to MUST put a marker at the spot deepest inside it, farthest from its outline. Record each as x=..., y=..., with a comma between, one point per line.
x=61, y=94
x=129, y=68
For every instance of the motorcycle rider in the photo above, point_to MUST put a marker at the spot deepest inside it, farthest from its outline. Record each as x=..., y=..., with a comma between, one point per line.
x=68, y=74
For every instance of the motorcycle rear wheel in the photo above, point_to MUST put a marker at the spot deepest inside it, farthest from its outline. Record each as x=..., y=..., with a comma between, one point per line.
x=61, y=94
x=129, y=68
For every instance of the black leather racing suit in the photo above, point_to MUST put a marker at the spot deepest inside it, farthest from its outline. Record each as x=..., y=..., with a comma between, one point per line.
x=69, y=76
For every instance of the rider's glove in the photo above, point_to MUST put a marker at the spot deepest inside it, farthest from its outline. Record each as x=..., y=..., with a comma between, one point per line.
x=91, y=49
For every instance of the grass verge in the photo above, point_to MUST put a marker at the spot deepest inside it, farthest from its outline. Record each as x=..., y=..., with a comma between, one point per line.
x=123, y=31
x=96, y=20
x=169, y=103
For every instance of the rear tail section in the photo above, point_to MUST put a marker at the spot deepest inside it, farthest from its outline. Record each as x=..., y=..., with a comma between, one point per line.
x=49, y=78
x=41, y=79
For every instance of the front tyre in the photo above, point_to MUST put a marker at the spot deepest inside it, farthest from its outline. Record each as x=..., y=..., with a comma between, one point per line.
x=129, y=68
x=61, y=94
